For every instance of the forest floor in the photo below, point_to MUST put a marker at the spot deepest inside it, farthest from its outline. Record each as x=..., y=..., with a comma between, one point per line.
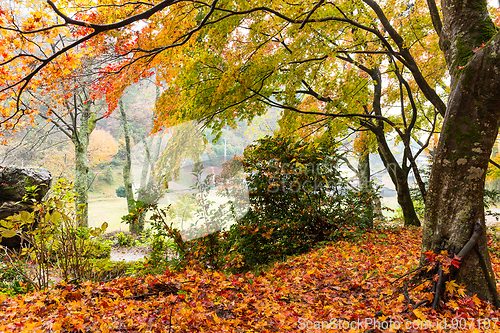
x=354, y=284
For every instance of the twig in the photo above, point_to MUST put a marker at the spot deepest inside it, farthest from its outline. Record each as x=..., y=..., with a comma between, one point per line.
x=422, y=302
x=310, y=13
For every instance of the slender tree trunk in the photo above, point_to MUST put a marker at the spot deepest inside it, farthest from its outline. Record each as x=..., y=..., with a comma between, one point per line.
x=399, y=177
x=454, y=203
x=127, y=179
x=364, y=170
x=148, y=174
x=364, y=173
x=81, y=142
x=154, y=159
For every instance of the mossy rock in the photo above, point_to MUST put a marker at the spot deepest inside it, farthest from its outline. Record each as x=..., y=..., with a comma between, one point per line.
x=14, y=180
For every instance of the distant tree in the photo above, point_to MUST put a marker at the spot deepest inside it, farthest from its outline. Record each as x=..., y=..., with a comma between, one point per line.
x=127, y=178
x=102, y=147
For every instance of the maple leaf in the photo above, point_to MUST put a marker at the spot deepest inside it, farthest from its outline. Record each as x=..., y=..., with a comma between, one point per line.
x=419, y=314
x=430, y=255
x=451, y=286
x=456, y=261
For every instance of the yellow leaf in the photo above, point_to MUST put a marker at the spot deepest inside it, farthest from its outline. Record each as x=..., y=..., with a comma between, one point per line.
x=453, y=305
x=8, y=233
x=419, y=314
x=461, y=291
x=476, y=300
x=451, y=286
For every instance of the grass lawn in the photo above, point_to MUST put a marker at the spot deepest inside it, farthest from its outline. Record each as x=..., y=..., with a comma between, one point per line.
x=108, y=210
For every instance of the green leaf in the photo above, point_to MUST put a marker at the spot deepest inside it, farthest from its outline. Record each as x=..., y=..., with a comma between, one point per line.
x=55, y=216
x=25, y=216
x=8, y=233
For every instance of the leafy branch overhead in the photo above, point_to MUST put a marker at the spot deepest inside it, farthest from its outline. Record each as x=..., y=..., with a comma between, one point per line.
x=342, y=67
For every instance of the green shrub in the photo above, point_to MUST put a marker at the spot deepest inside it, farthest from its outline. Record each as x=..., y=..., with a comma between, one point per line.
x=105, y=270
x=54, y=238
x=298, y=199
x=108, y=176
x=97, y=249
x=120, y=191
x=125, y=240
x=11, y=281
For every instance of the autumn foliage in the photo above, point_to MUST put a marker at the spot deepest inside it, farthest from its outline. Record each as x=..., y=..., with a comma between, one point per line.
x=102, y=147
x=346, y=281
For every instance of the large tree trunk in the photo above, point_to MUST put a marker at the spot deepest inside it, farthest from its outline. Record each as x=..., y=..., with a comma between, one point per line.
x=456, y=188
x=127, y=179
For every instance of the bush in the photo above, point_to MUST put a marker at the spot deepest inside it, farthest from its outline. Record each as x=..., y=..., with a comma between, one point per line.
x=120, y=192
x=105, y=270
x=108, y=176
x=298, y=199
x=11, y=281
x=96, y=249
x=125, y=240
x=54, y=239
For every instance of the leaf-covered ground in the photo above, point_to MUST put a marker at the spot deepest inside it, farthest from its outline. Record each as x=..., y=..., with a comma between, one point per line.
x=346, y=285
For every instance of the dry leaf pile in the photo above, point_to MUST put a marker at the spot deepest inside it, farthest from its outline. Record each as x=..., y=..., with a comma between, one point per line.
x=346, y=286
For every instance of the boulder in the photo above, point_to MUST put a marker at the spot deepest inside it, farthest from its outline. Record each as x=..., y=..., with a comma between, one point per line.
x=14, y=180
x=13, y=183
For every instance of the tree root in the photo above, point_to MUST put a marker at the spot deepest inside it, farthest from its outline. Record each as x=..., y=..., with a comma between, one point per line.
x=489, y=279
x=438, y=289
x=471, y=244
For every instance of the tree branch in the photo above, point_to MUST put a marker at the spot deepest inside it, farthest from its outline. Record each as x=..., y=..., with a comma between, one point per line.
x=428, y=91
x=320, y=2
x=106, y=27
x=436, y=19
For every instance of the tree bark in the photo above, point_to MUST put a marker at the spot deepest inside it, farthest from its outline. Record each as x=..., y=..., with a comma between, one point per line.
x=398, y=174
x=399, y=177
x=456, y=187
x=127, y=181
x=81, y=142
x=144, y=178
x=156, y=153
x=364, y=175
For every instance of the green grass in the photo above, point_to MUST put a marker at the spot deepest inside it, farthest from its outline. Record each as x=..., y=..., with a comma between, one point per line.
x=108, y=210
